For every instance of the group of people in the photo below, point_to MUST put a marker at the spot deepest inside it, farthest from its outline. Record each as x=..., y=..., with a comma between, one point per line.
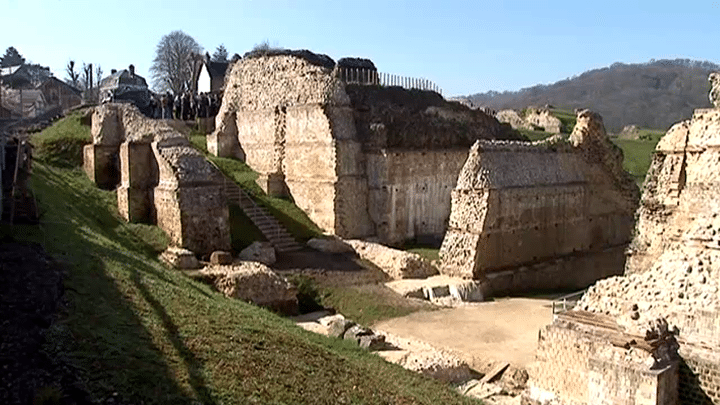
x=186, y=106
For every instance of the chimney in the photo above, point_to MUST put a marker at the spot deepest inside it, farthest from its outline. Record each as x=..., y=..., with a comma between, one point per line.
x=131, y=68
x=113, y=71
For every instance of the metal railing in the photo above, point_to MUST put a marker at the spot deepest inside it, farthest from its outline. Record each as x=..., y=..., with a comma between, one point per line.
x=566, y=302
x=366, y=76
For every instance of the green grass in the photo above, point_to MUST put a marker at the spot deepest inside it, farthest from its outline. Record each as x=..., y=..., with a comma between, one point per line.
x=638, y=156
x=147, y=334
x=426, y=252
x=368, y=304
x=567, y=118
x=61, y=144
x=293, y=218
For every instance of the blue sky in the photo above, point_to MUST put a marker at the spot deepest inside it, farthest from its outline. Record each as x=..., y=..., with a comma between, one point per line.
x=464, y=46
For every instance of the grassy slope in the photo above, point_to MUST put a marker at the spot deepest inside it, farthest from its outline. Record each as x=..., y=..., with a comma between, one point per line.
x=292, y=217
x=151, y=335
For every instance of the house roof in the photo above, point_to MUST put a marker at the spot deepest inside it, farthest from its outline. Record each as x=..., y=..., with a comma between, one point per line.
x=55, y=81
x=216, y=69
x=122, y=78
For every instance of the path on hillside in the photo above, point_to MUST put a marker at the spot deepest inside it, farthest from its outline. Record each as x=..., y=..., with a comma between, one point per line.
x=501, y=330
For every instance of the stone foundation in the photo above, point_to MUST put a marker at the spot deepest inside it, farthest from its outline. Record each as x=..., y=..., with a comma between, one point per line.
x=162, y=179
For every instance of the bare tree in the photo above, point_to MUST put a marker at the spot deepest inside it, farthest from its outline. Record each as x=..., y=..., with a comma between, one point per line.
x=98, y=75
x=87, y=81
x=73, y=75
x=172, y=68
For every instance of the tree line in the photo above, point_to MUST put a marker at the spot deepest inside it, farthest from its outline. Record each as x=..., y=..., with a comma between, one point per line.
x=655, y=94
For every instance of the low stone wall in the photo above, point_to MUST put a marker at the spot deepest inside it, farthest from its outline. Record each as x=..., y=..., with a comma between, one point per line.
x=162, y=179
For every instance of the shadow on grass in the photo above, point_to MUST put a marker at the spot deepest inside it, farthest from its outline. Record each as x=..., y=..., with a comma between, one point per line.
x=108, y=288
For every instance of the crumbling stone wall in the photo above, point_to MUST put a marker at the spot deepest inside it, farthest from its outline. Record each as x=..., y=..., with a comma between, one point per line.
x=587, y=359
x=533, y=119
x=672, y=270
x=545, y=207
x=159, y=177
x=359, y=160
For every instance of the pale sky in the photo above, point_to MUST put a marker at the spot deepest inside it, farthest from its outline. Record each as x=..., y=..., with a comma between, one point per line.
x=464, y=46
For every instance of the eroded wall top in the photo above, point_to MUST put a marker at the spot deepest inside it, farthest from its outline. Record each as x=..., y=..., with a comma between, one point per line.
x=265, y=81
x=398, y=118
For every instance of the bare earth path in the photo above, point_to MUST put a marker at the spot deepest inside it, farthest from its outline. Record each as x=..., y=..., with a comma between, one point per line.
x=501, y=330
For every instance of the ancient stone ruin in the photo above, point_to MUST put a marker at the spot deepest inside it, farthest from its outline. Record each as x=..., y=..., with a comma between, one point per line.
x=159, y=177
x=532, y=119
x=545, y=215
x=359, y=159
x=603, y=351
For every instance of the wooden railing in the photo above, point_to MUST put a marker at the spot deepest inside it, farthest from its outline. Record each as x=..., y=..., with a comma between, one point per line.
x=370, y=77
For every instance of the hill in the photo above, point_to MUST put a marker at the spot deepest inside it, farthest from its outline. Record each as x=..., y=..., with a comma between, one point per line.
x=133, y=331
x=650, y=95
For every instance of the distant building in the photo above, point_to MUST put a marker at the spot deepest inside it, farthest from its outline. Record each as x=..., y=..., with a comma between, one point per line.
x=126, y=85
x=60, y=94
x=210, y=76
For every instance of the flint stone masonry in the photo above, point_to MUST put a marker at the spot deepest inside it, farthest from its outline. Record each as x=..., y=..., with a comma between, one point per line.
x=360, y=160
x=544, y=215
x=672, y=270
x=162, y=179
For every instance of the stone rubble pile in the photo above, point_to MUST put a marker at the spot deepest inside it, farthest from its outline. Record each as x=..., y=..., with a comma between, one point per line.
x=396, y=263
x=254, y=282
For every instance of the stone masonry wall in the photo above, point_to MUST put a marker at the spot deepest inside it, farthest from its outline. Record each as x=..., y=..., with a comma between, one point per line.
x=583, y=363
x=359, y=160
x=163, y=180
x=673, y=270
x=517, y=205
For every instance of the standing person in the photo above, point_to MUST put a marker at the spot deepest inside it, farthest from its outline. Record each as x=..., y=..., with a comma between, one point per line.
x=178, y=104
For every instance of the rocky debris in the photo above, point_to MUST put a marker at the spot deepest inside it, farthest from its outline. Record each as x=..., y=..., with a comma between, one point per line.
x=261, y=252
x=540, y=118
x=221, y=257
x=441, y=289
x=513, y=118
x=423, y=358
x=338, y=326
x=254, y=282
x=179, y=258
x=479, y=389
x=629, y=132
x=355, y=331
x=714, y=96
x=395, y=263
x=330, y=244
x=372, y=342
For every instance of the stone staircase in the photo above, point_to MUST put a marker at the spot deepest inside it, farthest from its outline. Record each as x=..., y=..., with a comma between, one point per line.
x=273, y=231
